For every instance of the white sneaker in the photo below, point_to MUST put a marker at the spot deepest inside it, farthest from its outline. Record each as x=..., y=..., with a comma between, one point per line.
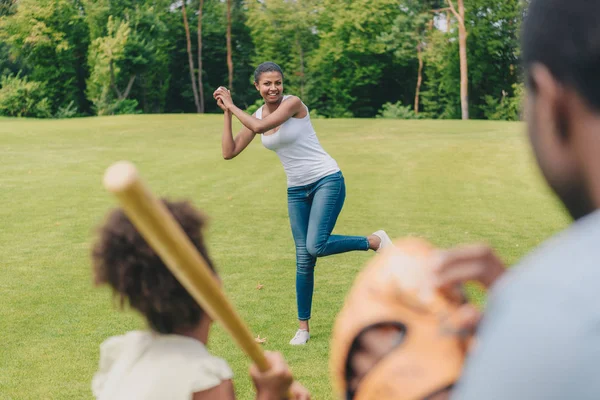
x=385, y=240
x=300, y=338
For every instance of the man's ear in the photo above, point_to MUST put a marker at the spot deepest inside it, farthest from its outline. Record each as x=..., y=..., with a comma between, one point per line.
x=552, y=96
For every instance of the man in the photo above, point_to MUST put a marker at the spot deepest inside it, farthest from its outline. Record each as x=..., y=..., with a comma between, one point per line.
x=540, y=337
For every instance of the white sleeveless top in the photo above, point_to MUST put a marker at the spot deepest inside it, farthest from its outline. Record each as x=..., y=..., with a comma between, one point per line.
x=299, y=150
x=144, y=365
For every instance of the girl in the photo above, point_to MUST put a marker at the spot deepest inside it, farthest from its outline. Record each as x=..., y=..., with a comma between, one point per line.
x=316, y=188
x=170, y=361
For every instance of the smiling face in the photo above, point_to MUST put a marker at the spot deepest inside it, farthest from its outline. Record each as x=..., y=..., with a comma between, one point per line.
x=270, y=86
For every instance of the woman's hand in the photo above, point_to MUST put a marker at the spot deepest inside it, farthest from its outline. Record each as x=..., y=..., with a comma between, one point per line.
x=221, y=105
x=223, y=96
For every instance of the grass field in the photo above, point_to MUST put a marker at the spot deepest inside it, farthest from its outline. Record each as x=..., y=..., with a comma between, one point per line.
x=451, y=182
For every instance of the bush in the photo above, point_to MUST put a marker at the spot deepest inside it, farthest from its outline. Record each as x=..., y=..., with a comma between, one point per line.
x=68, y=111
x=126, y=106
x=258, y=103
x=508, y=108
x=397, y=111
x=314, y=114
x=254, y=107
x=22, y=98
x=107, y=105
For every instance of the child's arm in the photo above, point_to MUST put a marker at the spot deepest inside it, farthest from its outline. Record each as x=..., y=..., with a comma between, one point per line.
x=223, y=391
x=275, y=383
x=271, y=385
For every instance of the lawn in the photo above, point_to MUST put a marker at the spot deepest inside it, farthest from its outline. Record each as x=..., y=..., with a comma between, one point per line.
x=448, y=181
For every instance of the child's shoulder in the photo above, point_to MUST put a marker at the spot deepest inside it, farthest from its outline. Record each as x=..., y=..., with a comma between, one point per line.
x=145, y=354
x=112, y=347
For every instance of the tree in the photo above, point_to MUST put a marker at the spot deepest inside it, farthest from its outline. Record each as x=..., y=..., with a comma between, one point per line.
x=8, y=65
x=408, y=37
x=7, y=7
x=190, y=59
x=50, y=40
x=350, y=63
x=106, y=54
x=130, y=61
x=462, y=46
x=283, y=31
x=214, y=56
x=494, y=66
x=200, y=66
x=229, y=49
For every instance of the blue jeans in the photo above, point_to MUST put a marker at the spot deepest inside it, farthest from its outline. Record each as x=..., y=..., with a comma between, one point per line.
x=313, y=211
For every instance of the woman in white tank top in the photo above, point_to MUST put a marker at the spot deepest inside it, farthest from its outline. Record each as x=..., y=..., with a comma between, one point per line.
x=316, y=188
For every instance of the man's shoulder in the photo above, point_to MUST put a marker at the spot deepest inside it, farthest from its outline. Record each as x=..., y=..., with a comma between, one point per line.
x=569, y=262
x=537, y=339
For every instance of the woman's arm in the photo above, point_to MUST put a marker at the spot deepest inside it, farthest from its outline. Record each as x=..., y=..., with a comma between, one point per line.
x=286, y=110
x=232, y=147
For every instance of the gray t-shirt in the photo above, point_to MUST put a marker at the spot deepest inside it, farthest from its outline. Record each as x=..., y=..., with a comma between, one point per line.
x=540, y=337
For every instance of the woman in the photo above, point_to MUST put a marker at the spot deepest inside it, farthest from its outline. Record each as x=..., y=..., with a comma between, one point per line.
x=316, y=189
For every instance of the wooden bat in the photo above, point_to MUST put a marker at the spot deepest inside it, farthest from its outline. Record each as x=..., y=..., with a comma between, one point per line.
x=156, y=224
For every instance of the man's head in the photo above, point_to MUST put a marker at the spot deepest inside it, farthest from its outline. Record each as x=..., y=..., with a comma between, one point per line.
x=561, y=54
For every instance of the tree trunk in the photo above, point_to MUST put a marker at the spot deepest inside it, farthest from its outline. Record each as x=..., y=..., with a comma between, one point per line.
x=229, y=56
x=200, y=83
x=113, y=83
x=301, y=54
x=190, y=59
x=462, y=45
x=419, y=77
x=128, y=88
x=464, y=72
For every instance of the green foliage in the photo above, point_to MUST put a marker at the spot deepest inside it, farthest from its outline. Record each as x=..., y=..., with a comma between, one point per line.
x=397, y=111
x=7, y=7
x=283, y=32
x=126, y=106
x=50, y=38
x=349, y=63
x=254, y=107
x=314, y=114
x=22, y=98
x=441, y=88
x=68, y=111
x=94, y=54
x=105, y=55
x=107, y=104
x=508, y=107
x=493, y=49
x=129, y=58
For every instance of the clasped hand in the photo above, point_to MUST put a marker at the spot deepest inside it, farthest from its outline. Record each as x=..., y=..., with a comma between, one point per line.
x=223, y=97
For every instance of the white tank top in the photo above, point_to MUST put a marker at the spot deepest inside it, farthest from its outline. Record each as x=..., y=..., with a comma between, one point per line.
x=299, y=150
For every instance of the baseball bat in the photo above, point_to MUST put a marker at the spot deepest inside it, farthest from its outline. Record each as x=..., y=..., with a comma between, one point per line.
x=158, y=227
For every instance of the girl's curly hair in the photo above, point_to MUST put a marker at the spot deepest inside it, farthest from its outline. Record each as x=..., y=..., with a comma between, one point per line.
x=123, y=260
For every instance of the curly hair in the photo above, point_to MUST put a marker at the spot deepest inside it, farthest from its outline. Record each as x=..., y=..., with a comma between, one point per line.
x=123, y=260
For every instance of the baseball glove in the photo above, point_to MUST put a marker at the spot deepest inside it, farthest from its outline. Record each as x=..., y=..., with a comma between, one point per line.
x=395, y=337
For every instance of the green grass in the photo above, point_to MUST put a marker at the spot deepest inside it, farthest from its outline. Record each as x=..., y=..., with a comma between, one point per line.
x=449, y=181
